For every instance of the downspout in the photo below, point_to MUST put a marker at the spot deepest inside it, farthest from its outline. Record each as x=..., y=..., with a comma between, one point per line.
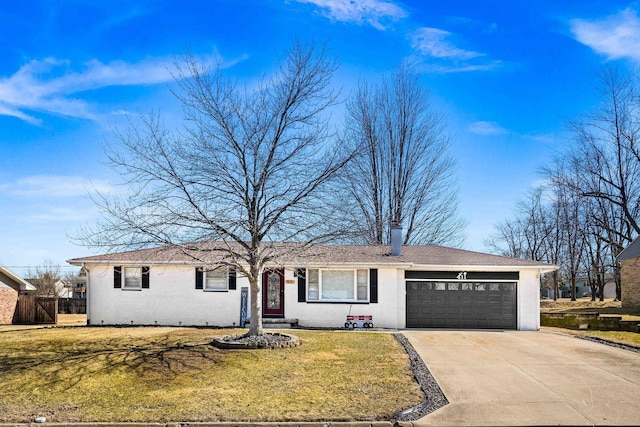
x=86, y=294
x=538, y=302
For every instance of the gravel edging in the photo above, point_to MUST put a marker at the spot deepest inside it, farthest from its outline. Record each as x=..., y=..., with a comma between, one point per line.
x=609, y=343
x=434, y=395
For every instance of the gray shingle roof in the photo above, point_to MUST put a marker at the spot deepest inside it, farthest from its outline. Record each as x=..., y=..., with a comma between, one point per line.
x=631, y=251
x=295, y=254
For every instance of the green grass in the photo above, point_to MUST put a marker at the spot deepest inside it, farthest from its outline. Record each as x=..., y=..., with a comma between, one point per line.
x=173, y=374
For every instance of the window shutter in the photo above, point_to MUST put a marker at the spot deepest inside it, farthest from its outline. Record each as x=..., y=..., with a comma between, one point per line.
x=199, y=277
x=232, y=278
x=117, y=276
x=373, y=285
x=302, y=285
x=145, y=277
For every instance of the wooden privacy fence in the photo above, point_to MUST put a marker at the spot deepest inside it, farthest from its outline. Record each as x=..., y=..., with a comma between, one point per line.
x=32, y=310
x=72, y=306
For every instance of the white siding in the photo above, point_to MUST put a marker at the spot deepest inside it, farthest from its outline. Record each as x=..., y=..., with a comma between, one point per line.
x=529, y=300
x=401, y=298
x=173, y=300
x=170, y=300
x=318, y=314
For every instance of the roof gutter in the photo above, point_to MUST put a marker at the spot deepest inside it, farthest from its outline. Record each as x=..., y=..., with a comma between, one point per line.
x=545, y=268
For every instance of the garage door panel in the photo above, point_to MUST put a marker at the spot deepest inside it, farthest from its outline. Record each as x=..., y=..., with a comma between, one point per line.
x=461, y=305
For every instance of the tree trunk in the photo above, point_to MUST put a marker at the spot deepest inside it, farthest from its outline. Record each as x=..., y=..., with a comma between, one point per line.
x=255, y=327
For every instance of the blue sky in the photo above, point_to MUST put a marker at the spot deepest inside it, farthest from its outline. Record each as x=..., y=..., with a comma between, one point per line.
x=507, y=75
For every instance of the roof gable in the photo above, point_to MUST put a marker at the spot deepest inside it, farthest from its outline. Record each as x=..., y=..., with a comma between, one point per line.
x=13, y=281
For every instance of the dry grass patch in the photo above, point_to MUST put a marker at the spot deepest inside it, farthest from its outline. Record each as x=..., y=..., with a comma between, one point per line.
x=72, y=320
x=620, y=337
x=585, y=305
x=566, y=305
x=173, y=374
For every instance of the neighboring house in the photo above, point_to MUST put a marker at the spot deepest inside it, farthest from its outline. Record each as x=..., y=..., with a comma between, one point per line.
x=10, y=287
x=583, y=289
x=629, y=260
x=421, y=286
x=46, y=289
x=75, y=287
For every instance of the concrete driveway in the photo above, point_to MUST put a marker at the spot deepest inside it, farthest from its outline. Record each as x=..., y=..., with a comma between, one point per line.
x=529, y=378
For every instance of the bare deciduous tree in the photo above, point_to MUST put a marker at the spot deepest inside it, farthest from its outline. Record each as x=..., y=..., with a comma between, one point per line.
x=605, y=153
x=594, y=188
x=403, y=172
x=251, y=168
x=507, y=239
x=47, y=280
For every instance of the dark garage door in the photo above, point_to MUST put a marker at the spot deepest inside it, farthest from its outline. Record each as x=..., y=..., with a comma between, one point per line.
x=465, y=305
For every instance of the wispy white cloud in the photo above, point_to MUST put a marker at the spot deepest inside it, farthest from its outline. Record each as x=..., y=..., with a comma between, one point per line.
x=377, y=13
x=52, y=85
x=616, y=36
x=449, y=68
x=487, y=128
x=46, y=214
x=436, y=43
x=54, y=186
x=56, y=86
x=437, y=51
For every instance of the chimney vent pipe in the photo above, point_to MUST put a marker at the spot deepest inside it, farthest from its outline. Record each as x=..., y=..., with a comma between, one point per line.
x=396, y=239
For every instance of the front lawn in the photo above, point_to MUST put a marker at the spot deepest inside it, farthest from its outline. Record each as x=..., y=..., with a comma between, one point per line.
x=173, y=374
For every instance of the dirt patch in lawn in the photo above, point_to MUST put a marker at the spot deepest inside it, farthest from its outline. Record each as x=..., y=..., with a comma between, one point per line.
x=72, y=320
x=173, y=374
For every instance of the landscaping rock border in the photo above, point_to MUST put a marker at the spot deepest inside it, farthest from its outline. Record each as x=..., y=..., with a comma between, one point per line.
x=435, y=397
x=268, y=340
x=609, y=343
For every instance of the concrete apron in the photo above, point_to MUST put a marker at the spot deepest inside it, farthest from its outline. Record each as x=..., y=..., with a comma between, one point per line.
x=528, y=378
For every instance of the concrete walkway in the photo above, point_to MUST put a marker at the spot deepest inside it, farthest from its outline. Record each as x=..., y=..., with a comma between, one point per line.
x=528, y=378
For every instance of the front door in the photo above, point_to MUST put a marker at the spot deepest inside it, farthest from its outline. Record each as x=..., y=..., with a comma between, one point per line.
x=273, y=293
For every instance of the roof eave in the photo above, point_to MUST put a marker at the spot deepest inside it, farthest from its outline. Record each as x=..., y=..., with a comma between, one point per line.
x=24, y=285
x=404, y=265
x=544, y=268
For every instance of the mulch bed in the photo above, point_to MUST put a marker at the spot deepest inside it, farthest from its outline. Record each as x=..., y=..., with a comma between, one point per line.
x=268, y=340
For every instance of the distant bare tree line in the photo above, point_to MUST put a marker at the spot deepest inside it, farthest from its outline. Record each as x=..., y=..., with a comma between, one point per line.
x=587, y=211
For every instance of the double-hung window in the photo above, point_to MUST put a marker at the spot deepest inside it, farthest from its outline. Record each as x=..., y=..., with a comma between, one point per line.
x=337, y=285
x=220, y=279
x=216, y=280
x=131, y=278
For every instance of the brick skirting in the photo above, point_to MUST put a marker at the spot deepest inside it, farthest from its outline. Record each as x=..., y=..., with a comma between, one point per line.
x=630, y=278
x=8, y=301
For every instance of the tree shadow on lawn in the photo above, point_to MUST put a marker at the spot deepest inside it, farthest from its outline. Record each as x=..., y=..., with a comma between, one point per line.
x=66, y=366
